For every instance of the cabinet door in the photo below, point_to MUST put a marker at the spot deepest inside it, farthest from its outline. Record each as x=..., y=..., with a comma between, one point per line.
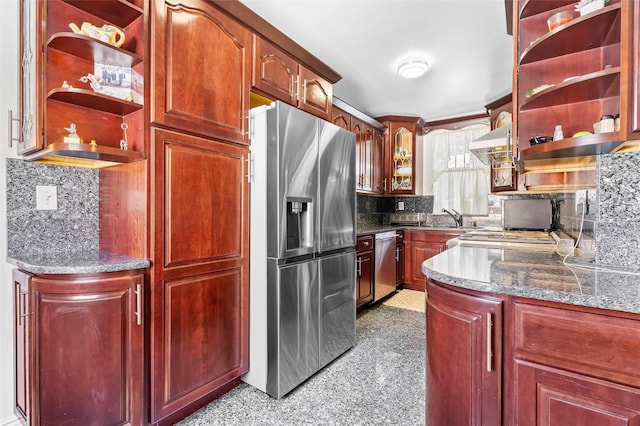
x=23, y=333
x=274, y=72
x=399, y=265
x=402, y=147
x=419, y=251
x=315, y=94
x=463, y=374
x=364, y=279
x=202, y=70
x=549, y=396
x=341, y=118
x=199, y=288
x=89, y=350
x=31, y=42
x=377, y=168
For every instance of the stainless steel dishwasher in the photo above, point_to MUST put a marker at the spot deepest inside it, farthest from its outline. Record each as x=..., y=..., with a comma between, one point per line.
x=385, y=266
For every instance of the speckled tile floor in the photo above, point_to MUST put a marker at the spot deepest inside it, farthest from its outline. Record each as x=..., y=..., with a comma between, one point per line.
x=378, y=382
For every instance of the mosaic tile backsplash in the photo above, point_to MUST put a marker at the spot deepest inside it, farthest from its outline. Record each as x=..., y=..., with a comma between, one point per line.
x=73, y=227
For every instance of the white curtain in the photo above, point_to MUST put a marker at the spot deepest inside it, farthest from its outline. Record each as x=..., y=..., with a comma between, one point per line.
x=460, y=181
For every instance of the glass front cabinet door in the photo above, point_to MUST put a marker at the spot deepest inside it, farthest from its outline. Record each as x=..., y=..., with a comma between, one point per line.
x=403, y=147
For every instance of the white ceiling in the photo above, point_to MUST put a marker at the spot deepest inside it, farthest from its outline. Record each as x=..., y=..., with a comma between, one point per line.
x=465, y=42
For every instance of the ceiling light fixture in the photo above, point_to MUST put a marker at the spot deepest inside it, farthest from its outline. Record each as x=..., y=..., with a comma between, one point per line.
x=413, y=68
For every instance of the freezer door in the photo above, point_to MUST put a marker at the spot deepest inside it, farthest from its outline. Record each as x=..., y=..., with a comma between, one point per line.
x=292, y=182
x=298, y=328
x=337, y=188
x=337, y=305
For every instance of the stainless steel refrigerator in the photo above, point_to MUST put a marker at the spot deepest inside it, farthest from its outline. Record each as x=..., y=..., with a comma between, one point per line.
x=303, y=236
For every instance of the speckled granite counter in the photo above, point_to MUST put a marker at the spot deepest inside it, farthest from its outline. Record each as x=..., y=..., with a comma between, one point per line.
x=90, y=262
x=374, y=229
x=536, y=275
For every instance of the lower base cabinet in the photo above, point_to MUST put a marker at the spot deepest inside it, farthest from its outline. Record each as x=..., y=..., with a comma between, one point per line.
x=420, y=245
x=562, y=364
x=79, y=348
x=364, y=271
x=464, y=370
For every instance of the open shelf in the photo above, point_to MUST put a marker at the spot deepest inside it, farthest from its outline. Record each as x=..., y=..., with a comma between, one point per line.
x=533, y=7
x=597, y=85
x=92, y=49
x=118, y=12
x=602, y=143
x=93, y=100
x=84, y=155
x=580, y=34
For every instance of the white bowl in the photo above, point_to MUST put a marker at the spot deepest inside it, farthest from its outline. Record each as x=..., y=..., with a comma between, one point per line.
x=591, y=7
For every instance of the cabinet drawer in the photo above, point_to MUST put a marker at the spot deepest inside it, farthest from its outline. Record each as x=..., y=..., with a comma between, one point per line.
x=593, y=344
x=365, y=243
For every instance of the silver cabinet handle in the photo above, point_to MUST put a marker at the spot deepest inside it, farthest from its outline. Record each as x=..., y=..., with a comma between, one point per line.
x=366, y=243
x=384, y=186
x=489, y=341
x=397, y=254
x=359, y=269
x=249, y=161
x=11, y=120
x=138, y=293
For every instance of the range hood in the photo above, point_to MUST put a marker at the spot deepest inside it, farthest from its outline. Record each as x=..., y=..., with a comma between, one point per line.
x=495, y=145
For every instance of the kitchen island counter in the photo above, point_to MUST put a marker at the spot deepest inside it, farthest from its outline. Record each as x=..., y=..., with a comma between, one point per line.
x=62, y=262
x=537, y=275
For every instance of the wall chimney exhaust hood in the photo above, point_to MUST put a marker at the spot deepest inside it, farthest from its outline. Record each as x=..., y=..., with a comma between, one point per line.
x=495, y=145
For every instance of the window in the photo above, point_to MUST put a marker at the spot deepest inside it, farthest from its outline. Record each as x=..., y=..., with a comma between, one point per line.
x=459, y=180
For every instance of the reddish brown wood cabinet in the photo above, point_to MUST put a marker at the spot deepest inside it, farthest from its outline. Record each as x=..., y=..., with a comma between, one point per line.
x=277, y=75
x=56, y=90
x=199, y=287
x=589, y=64
x=420, y=245
x=528, y=362
x=400, y=148
x=399, y=258
x=364, y=271
x=79, y=344
x=200, y=81
x=464, y=361
x=574, y=366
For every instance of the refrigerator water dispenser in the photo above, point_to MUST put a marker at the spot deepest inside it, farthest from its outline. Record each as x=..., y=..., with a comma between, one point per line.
x=299, y=223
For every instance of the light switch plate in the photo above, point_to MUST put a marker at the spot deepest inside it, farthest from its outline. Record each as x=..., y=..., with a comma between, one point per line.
x=400, y=205
x=46, y=197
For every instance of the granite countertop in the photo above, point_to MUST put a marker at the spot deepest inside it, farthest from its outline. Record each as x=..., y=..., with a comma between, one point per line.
x=375, y=229
x=536, y=275
x=90, y=262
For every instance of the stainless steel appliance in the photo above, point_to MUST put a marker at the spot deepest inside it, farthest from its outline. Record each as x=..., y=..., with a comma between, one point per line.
x=303, y=237
x=413, y=219
x=385, y=265
x=534, y=214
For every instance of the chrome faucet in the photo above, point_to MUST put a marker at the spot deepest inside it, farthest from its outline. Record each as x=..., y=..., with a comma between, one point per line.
x=457, y=217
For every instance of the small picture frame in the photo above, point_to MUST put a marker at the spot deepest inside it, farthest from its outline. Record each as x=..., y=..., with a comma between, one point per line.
x=115, y=80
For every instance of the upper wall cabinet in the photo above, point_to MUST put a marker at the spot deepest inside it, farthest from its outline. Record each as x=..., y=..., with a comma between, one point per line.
x=82, y=81
x=574, y=75
x=401, y=147
x=199, y=54
x=277, y=75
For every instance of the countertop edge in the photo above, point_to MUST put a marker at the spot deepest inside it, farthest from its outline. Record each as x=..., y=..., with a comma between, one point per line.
x=70, y=263
x=530, y=291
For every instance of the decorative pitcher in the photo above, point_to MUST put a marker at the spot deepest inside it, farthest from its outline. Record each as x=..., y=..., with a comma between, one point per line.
x=107, y=33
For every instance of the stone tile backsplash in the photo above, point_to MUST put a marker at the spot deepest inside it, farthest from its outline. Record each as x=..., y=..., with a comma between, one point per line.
x=618, y=220
x=73, y=227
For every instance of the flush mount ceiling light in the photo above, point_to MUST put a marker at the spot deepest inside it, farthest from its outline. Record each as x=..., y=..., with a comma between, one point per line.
x=413, y=68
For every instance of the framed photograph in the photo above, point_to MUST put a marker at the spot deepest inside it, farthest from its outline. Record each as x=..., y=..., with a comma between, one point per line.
x=115, y=80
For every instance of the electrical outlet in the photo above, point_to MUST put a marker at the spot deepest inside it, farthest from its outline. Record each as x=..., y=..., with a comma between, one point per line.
x=401, y=205
x=46, y=197
x=582, y=206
